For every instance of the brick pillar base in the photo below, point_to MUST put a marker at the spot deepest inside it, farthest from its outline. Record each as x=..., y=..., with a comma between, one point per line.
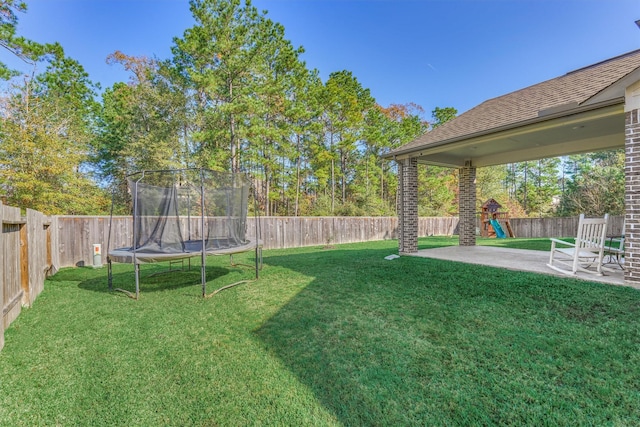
x=467, y=205
x=632, y=197
x=408, y=205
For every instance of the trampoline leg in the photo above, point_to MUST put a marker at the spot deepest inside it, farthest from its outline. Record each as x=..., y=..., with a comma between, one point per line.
x=137, y=269
x=257, y=273
x=203, y=274
x=109, y=275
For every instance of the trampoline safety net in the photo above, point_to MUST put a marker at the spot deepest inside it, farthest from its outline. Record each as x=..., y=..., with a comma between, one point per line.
x=184, y=213
x=178, y=211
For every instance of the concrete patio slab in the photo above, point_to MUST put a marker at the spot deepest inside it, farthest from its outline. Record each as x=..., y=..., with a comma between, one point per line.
x=515, y=259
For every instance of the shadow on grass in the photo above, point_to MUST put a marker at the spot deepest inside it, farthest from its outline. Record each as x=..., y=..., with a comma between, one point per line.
x=153, y=277
x=339, y=335
x=428, y=342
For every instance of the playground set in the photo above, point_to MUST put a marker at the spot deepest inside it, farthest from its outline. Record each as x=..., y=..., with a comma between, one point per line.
x=490, y=219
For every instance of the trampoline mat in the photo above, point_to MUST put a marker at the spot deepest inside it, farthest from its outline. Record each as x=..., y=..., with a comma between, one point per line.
x=192, y=248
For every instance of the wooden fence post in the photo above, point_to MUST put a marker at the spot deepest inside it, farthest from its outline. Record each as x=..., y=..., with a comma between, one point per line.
x=39, y=255
x=24, y=263
x=53, y=241
x=12, y=267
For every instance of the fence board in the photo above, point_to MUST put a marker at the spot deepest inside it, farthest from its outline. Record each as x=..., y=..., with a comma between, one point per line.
x=557, y=227
x=54, y=246
x=24, y=264
x=11, y=268
x=38, y=256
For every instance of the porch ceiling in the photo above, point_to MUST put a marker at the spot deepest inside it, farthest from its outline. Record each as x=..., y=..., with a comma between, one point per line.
x=582, y=132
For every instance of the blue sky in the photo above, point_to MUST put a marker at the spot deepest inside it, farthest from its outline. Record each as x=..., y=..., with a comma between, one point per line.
x=434, y=53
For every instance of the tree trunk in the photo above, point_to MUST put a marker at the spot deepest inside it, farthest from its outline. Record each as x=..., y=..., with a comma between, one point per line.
x=343, y=170
x=333, y=185
x=267, y=203
x=333, y=176
x=297, y=176
x=382, y=181
x=232, y=129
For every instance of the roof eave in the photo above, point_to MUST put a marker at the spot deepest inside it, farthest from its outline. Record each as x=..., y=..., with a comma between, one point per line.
x=399, y=153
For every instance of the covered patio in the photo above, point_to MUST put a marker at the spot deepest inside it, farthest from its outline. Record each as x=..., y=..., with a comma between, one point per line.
x=517, y=260
x=594, y=108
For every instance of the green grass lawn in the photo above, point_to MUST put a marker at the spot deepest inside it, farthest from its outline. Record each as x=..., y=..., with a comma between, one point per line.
x=335, y=336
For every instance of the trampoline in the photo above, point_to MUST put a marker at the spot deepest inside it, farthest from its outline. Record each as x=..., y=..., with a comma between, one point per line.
x=184, y=213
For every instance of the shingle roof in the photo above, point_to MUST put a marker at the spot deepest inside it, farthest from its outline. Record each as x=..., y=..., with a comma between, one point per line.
x=572, y=89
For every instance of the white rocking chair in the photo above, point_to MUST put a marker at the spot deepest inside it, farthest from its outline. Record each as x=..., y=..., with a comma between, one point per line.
x=588, y=250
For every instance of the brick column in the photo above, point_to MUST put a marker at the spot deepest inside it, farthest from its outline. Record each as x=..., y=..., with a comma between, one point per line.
x=467, y=205
x=408, y=205
x=632, y=196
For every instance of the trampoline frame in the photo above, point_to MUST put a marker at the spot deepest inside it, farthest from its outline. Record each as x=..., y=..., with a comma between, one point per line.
x=132, y=255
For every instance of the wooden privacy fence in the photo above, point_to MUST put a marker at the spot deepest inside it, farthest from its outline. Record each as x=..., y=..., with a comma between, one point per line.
x=76, y=235
x=557, y=227
x=25, y=257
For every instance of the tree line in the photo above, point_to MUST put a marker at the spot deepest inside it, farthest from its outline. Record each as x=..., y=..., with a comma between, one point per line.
x=236, y=96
